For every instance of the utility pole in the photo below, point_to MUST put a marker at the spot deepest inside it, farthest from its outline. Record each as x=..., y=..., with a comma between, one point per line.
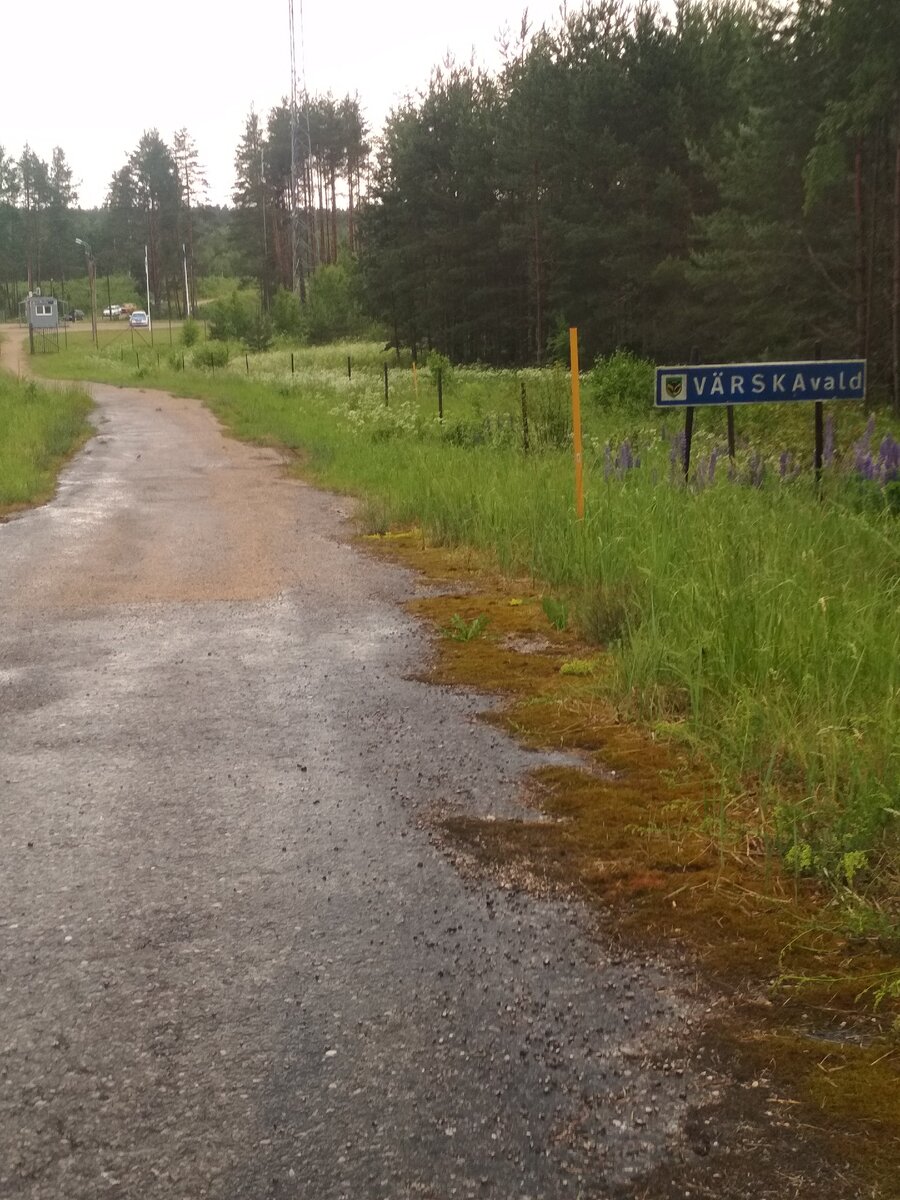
x=92, y=278
x=265, y=232
x=187, y=293
x=298, y=224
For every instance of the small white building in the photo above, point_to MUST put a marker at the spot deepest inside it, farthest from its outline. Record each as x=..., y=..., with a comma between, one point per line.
x=41, y=312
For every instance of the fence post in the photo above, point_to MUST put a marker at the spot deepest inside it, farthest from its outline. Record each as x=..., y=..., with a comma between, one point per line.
x=440, y=383
x=385, y=384
x=349, y=372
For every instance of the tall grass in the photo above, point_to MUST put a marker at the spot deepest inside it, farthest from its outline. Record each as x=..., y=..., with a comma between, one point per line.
x=752, y=615
x=39, y=428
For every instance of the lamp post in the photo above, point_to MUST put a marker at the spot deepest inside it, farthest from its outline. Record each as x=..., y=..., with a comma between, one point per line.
x=92, y=281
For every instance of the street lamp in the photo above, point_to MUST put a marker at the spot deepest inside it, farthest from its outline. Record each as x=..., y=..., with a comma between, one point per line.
x=92, y=276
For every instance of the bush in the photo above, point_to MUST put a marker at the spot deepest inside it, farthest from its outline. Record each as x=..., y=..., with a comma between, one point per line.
x=211, y=355
x=190, y=332
x=258, y=336
x=286, y=315
x=233, y=318
x=332, y=310
x=622, y=381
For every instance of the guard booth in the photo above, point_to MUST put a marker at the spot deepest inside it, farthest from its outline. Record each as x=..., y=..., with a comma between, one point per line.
x=42, y=312
x=42, y=315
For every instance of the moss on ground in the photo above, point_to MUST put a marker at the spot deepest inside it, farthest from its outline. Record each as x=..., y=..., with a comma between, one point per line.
x=643, y=830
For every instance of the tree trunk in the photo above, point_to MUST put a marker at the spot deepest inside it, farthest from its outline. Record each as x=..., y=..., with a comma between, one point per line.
x=538, y=277
x=350, y=237
x=895, y=300
x=334, y=223
x=860, y=253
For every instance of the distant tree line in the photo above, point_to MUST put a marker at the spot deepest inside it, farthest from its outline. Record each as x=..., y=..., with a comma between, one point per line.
x=727, y=179
x=156, y=209
x=157, y=200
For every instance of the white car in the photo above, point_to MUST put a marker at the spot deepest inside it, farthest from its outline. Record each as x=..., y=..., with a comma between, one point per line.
x=139, y=320
x=114, y=310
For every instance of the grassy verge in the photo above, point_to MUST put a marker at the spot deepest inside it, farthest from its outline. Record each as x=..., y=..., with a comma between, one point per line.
x=39, y=429
x=748, y=617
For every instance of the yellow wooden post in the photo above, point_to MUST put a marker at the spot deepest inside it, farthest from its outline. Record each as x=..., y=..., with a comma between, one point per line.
x=576, y=424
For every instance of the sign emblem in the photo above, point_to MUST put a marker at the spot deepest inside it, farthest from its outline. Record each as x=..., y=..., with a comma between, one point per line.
x=676, y=387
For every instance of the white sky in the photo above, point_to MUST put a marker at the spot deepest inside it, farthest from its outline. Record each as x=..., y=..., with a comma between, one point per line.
x=92, y=78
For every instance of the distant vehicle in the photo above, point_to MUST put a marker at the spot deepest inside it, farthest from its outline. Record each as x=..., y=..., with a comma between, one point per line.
x=114, y=310
x=128, y=309
x=138, y=320
x=75, y=315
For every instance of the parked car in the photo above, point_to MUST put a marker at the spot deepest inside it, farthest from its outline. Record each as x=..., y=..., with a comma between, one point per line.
x=138, y=320
x=75, y=314
x=113, y=311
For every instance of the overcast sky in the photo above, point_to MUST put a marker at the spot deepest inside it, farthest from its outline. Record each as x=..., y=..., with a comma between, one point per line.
x=92, y=78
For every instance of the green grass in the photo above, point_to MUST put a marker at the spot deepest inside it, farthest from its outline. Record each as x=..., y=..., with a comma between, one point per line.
x=759, y=623
x=39, y=429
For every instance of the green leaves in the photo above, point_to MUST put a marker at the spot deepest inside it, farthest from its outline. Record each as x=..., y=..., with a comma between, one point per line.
x=461, y=630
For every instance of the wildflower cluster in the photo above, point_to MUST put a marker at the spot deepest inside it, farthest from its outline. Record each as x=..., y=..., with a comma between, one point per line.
x=881, y=466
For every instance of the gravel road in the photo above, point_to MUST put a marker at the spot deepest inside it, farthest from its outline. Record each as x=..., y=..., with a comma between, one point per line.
x=234, y=960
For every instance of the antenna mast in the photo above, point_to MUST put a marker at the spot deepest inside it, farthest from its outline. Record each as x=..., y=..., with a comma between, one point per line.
x=298, y=222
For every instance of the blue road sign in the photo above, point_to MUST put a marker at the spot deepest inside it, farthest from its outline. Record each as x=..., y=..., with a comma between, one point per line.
x=760, y=383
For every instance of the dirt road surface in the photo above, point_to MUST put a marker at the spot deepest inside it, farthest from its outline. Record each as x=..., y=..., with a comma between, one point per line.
x=234, y=960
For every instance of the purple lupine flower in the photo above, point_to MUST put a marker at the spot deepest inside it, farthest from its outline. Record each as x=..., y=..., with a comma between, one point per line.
x=866, y=467
x=828, y=443
x=713, y=460
x=889, y=454
x=862, y=445
x=757, y=469
x=676, y=453
x=625, y=457
x=784, y=464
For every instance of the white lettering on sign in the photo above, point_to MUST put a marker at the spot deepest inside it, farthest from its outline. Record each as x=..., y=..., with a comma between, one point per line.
x=778, y=383
x=737, y=385
x=759, y=385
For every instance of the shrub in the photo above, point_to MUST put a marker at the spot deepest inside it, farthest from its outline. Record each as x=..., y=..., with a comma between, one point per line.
x=286, y=315
x=258, y=335
x=233, y=318
x=210, y=355
x=190, y=332
x=622, y=381
x=332, y=310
